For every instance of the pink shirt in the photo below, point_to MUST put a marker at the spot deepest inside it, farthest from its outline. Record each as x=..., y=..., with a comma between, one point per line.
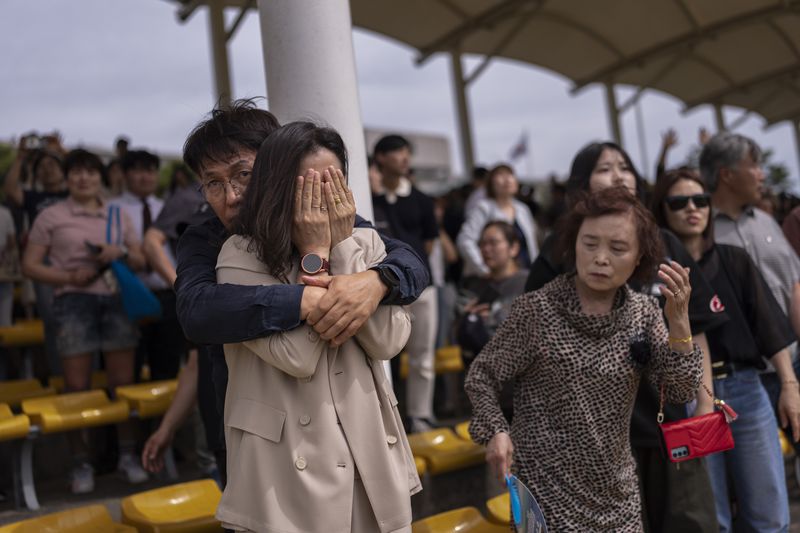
x=65, y=227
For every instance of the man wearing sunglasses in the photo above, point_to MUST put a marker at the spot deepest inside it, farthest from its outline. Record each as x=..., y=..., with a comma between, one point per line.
x=731, y=167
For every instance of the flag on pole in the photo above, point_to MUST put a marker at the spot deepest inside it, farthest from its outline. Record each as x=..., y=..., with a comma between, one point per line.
x=521, y=148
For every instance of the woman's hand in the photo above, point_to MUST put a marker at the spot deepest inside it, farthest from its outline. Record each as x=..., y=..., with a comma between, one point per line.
x=789, y=408
x=499, y=455
x=109, y=253
x=311, y=231
x=341, y=205
x=154, y=448
x=676, y=290
x=81, y=276
x=481, y=310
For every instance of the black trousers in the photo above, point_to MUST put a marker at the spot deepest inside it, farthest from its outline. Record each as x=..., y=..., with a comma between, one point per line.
x=162, y=344
x=675, y=499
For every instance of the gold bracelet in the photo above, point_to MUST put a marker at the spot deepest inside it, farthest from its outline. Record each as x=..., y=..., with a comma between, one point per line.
x=685, y=340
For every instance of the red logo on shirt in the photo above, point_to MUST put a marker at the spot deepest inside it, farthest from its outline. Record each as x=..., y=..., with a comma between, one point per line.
x=716, y=305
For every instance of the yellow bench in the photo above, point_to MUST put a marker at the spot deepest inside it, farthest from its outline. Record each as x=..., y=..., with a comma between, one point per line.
x=12, y=426
x=15, y=391
x=75, y=410
x=183, y=508
x=149, y=399
x=499, y=509
x=94, y=518
x=448, y=360
x=463, y=520
x=99, y=380
x=443, y=451
x=419, y=462
x=22, y=333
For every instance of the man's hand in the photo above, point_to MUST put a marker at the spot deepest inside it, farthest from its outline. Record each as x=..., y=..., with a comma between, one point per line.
x=500, y=455
x=349, y=302
x=154, y=448
x=311, y=230
x=789, y=408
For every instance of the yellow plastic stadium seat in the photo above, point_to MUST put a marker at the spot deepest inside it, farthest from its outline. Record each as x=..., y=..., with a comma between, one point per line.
x=13, y=392
x=448, y=360
x=12, y=426
x=94, y=518
x=99, y=381
x=182, y=508
x=786, y=447
x=75, y=410
x=464, y=520
x=499, y=509
x=22, y=333
x=462, y=430
x=443, y=451
x=151, y=398
x=421, y=466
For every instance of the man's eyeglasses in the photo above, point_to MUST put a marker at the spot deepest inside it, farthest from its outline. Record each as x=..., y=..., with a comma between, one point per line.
x=215, y=189
x=676, y=203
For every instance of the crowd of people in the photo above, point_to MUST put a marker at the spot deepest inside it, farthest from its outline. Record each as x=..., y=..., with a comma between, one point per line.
x=281, y=307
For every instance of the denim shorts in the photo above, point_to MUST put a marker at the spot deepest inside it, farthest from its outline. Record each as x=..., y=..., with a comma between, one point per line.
x=86, y=323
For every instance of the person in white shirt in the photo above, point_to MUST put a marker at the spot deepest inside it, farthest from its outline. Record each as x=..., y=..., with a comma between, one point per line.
x=162, y=344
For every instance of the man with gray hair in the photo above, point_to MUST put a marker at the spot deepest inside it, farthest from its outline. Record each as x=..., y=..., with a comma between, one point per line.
x=731, y=167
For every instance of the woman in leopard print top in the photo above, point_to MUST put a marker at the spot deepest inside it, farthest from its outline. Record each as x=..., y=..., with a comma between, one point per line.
x=576, y=351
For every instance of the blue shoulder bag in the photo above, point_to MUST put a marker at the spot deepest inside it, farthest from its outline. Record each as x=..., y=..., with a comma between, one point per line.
x=139, y=301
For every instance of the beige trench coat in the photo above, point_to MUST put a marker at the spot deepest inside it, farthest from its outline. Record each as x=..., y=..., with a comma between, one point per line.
x=302, y=419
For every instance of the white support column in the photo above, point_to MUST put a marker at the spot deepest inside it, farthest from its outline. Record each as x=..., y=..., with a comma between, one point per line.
x=311, y=74
x=462, y=106
x=219, y=51
x=613, y=114
x=719, y=117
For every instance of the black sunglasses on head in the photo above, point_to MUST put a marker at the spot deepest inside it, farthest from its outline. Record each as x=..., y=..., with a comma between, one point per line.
x=676, y=203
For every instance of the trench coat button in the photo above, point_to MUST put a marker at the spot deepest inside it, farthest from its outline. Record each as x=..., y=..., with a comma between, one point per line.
x=313, y=336
x=300, y=463
x=391, y=439
x=304, y=420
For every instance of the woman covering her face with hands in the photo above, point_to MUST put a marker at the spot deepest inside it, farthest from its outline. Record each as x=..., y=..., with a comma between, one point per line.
x=576, y=351
x=315, y=440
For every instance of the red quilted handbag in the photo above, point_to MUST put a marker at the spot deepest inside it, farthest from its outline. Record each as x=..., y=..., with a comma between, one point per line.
x=697, y=436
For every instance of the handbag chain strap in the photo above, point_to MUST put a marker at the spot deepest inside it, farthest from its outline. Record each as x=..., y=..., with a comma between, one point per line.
x=730, y=414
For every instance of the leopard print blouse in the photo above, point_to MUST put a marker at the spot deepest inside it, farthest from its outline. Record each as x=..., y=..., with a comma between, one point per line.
x=575, y=380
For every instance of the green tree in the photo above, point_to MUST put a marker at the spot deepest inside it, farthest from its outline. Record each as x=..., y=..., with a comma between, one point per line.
x=776, y=173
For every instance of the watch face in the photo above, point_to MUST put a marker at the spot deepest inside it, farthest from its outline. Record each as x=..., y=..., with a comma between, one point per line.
x=311, y=263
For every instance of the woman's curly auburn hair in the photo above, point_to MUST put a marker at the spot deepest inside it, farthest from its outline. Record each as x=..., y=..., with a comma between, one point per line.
x=611, y=201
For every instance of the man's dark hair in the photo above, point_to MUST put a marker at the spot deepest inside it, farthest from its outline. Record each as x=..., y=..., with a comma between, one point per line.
x=83, y=159
x=227, y=131
x=480, y=174
x=267, y=209
x=390, y=143
x=140, y=159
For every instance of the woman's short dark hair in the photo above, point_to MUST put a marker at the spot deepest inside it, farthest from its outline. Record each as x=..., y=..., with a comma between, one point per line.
x=229, y=130
x=83, y=159
x=661, y=191
x=508, y=231
x=40, y=157
x=268, y=205
x=611, y=201
x=498, y=169
x=583, y=165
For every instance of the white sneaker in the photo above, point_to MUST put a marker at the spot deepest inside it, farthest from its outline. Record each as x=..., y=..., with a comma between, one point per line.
x=130, y=467
x=82, y=479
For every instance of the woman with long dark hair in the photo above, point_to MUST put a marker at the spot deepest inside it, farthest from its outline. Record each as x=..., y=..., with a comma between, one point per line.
x=757, y=326
x=315, y=441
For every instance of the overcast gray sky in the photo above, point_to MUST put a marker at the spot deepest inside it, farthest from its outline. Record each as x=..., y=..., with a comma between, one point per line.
x=94, y=69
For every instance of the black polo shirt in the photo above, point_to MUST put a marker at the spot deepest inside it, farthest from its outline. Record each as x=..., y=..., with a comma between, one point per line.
x=757, y=327
x=408, y=216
